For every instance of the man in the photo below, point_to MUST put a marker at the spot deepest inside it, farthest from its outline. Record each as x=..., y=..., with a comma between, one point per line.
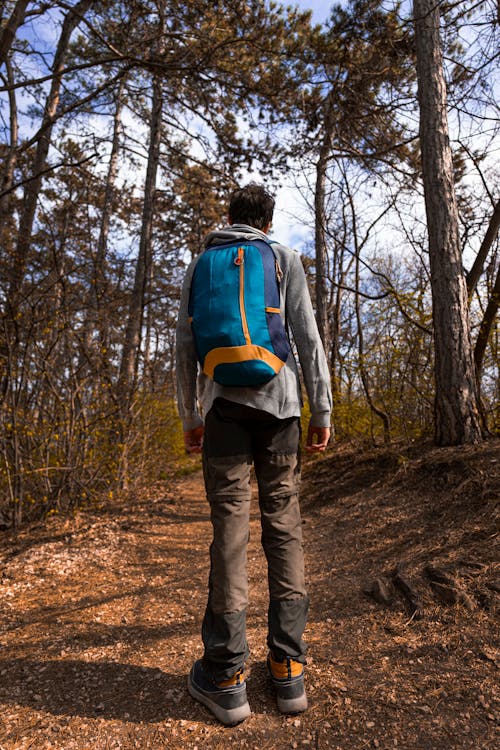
x=259, y=425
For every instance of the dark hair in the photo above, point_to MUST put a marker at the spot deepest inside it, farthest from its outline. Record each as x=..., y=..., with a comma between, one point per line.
x=251, y=205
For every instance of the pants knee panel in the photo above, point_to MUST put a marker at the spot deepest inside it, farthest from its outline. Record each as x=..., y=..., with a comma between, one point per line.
x=227, y=475
x=277, y=475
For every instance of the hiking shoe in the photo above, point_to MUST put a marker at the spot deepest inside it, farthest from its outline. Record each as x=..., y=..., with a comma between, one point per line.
x=227, y=700
x=287, y=677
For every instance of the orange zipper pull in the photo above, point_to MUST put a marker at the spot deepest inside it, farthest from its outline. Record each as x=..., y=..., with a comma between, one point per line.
x=279, y=272
x=239, y=258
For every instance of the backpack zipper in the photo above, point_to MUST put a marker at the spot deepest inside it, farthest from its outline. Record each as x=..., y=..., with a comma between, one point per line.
x=240, y=261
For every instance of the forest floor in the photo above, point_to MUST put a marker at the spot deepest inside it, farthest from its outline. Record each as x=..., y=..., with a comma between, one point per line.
x=101, y=613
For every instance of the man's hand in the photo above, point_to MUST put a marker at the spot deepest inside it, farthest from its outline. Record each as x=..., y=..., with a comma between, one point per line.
x=193, y=440
x=322, y=437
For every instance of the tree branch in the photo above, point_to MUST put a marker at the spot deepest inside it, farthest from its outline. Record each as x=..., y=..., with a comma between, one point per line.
x=488, y=240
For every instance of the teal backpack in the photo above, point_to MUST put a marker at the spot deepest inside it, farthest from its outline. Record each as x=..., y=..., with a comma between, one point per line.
x=234, y=310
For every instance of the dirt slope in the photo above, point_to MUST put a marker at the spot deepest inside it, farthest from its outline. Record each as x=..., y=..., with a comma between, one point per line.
x=100, y=615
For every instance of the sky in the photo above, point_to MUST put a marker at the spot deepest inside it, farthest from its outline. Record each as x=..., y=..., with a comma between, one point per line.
x=292, y=223
x=320, y=8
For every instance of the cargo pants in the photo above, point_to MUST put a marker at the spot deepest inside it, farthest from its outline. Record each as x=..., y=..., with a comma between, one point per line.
x=235, y=437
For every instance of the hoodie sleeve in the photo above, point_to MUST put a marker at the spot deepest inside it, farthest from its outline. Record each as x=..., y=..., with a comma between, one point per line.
x=300, y=315
x=186, y=361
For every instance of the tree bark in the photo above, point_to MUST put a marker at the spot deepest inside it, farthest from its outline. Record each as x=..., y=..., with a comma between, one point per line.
x=7, y=179
x=489, y=238
x=32, y=190
x=379, y=412
x=131, y=347
x=9, y=30
x=99, y=318
x=456, y=404
x=486, y=324
x=321, y=250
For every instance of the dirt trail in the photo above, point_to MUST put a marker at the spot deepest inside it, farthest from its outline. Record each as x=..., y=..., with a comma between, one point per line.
x=100, y=616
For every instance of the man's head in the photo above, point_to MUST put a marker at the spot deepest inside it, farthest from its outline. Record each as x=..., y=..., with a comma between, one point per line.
x=251, y=205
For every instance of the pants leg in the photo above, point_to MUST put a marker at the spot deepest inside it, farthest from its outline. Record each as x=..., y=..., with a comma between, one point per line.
x=234, y=436
x=226, y=463
x=277, y=466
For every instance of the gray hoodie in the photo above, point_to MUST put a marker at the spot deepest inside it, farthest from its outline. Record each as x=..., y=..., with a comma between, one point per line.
x=281, y=396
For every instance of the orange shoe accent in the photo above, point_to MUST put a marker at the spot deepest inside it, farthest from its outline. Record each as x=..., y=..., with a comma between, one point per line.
x=235, y=679
x=285, y=670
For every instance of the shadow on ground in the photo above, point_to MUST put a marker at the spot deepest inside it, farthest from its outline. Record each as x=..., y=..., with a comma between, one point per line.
x=108, y=690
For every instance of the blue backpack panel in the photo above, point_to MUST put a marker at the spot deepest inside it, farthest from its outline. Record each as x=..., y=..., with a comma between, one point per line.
x=234, y=309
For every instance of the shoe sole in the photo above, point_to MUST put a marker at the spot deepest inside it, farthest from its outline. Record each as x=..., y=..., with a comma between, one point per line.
x=292, y=705
x=227, y=716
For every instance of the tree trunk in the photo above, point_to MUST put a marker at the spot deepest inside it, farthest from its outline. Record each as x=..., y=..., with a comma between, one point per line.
x=457, y=414
x=99, y=317
x=486, y=324
x=32, y=190
x=489, y=238
x=9, y=30
x=321, y=250
x=377, y=411
x=7, y=179
x=12, y=374
x=131, y=347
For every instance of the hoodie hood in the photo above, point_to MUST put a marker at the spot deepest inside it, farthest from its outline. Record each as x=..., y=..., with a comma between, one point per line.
x=234, y=232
